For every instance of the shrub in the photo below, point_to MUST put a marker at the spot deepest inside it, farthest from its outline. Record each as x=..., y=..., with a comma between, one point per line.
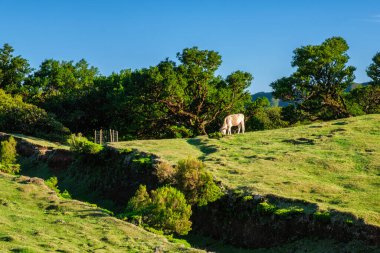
x=18, y=116
x=322, y=216
x=65, y=194
x=266, y=208
x=196, y=183
x=8, y=153
x=52, y=183
x=266, y=118
x=286, y=212
x=165, y=172
x=166, y=209
x=180, y=132
x=8, y=156
x=81, y=144
x=215, y=135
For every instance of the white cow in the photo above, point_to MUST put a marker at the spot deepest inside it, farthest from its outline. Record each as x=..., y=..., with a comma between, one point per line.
x=233, y=120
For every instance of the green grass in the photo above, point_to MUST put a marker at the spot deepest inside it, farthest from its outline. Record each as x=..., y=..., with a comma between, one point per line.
x=40, y=142
x=334, y=164
x=34, y=219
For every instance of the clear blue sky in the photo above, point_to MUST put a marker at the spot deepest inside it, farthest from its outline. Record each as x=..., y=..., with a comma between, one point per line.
x=253, y=35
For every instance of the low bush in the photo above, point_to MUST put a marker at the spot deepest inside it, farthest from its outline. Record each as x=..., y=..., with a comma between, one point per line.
x=196, y=183
x=286, y=212
x=164, y=209
x=322, y=216
x=267, y=118
x=165, y=172
x=180, y=132
x=52, y=183
x=215, y=135
x=81, y=144
x=8, y=156
x=266, y=208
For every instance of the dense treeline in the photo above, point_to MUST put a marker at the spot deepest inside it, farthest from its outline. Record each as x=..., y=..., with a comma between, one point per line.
x=186, y=97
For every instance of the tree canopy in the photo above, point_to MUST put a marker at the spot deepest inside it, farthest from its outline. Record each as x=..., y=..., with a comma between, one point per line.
x=373, y=71
x=190, y=94
x=13, y=69
x=321, y=77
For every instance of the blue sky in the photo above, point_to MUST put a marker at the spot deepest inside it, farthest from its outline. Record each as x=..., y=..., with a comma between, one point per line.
x=252, y=35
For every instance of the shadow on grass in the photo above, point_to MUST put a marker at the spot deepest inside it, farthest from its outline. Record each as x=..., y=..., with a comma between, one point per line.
x=300, y=141
x=203, y=147
x=340, y=123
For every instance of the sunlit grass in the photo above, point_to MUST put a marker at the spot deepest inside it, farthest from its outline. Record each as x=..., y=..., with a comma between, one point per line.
x=334, y=164
x=34, y=219
x=40, y=142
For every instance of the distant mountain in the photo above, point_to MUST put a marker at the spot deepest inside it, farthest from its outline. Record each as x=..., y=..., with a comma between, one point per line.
x=279, y=102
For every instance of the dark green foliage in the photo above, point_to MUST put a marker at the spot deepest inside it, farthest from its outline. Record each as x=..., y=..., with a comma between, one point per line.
x=13, y=70
x=81, y=144
x=8, y=156
x=373, y=70
x=65, y=194
x=267, y=118
x=294, y=114
x=287, y=212
x=52, y=183
x=321, y=77
x=322, y=216
x=181, y=132
x=19, y=117
x=188, y=94
x=196, y=183
x=65, y=89
x=266, y=208
x=8, y=153
x=367, y=99
x=165, y=209
x=364, y=100
x=215, y=135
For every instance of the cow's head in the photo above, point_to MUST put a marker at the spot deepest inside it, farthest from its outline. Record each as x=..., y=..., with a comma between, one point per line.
x=223, y=130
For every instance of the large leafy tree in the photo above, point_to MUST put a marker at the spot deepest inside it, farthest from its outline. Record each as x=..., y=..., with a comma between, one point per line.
x=320, y=79
x=190, y=93
x=373, y=71
x=367, y=98
x=62, y=88
x=56, y=78
x=13, y=69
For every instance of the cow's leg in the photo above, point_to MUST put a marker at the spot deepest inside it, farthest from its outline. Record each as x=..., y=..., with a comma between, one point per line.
x=239, y=129
x=229, y=130
x=242, y=127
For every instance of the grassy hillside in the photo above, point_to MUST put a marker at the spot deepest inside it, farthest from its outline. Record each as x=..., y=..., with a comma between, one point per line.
x=34, y=219
x=334, y=164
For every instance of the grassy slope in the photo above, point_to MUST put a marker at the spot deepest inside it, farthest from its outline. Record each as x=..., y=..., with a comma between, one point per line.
x=34, y=219
x=40, y=142
x=334, y=164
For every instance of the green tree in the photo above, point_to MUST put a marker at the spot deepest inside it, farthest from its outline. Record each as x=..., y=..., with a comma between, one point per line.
x=13, y=70
x=55, y=78
x=366, y=99
x=188, y=94
x=373, y=70
x=321, y=77
x=61, y=88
